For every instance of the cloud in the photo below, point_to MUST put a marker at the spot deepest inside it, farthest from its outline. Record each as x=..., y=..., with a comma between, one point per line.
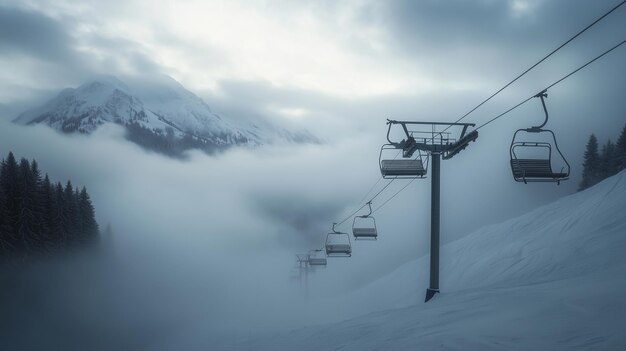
x=47, y=52
x=492, y=40
x=196, y=241
x=352, y=52
x=34, y=34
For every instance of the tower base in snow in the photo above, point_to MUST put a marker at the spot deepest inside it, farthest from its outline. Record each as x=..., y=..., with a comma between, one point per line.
x=430, y=293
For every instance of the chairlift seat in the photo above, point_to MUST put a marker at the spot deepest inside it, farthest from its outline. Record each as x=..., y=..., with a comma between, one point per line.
x=317, y=261
x=402, y=167
x=338, y=244
x=364, y=232
x=338, y=249
x=364, y=226
x=534, y=168
x=317, y=257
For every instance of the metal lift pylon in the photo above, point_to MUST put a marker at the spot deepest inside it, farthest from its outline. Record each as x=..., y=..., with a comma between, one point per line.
x=438, y=145
x=303, y=264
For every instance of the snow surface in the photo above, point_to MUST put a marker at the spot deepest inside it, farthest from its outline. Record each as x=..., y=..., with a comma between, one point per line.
x=553, y=279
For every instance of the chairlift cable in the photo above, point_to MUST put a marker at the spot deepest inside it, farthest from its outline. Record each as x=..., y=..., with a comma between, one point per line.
x=507, y=111
x=394, y=195
x=350, y=215
x=373, y=187
x=366, y=194
x=381, y=190
x=552, y=85
x=585, y=65
x=538, y=63
x=360, y=208
x=370, y=191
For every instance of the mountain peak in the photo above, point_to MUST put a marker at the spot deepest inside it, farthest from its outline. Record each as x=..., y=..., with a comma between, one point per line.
x=158, y=112
x=105, y=81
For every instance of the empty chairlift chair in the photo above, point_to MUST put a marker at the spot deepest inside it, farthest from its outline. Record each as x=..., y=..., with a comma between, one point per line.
x=402, y=168
x=532, y=160
x=408, y=166
x=364, y=227
x=338, y=244
x=317, y=257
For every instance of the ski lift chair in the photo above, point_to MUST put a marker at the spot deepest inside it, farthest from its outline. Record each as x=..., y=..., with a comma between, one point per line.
x=317, y=257
x=531, y=160
x=338, y=244
x=407, y=166
x=364, y=227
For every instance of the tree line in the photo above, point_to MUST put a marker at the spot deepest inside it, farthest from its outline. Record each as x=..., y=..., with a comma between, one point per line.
x=37, y=215
x=600, y=164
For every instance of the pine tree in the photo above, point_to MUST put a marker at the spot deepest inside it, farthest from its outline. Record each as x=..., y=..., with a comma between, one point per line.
x=89, y=226
x=620, y=151
x=39, y=209
x=60, y=232
x=27, y=217
x=607, y=160
x=591, y=164
x=51, y=220
x=4, y=228
x=3, y=213
x=8, y=183
x=71, y=213
x=78, y=221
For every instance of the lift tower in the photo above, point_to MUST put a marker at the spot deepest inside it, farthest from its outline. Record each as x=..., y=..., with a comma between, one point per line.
x=434, y=139
x=304, y=266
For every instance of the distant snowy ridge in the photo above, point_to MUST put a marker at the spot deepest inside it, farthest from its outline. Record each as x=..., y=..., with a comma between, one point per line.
x=159, y=114
x=552, y=279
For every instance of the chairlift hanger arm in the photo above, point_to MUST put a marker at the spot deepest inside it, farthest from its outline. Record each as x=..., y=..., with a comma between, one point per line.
x=335, y=231
x=543, y=94
x=404, y=144
x=369, y=203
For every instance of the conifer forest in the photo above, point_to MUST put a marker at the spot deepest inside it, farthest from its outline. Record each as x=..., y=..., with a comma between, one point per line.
x=38, y=215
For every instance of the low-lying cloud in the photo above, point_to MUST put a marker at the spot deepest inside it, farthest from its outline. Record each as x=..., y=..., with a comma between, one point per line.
x=211, y=240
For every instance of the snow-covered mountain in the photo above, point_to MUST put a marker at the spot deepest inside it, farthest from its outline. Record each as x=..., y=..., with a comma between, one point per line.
x=552, y=279
x=159, y=114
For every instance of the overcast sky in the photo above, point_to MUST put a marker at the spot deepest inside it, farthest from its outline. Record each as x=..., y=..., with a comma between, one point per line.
x=337, y=68
x=317, y=61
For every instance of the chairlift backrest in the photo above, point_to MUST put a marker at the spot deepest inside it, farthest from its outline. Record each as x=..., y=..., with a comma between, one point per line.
x=527, y=165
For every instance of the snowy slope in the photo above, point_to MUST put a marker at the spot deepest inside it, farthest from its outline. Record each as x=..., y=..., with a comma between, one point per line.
x=85, y=108
x=158, y=111
x=170, y=101
x=553, y=279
